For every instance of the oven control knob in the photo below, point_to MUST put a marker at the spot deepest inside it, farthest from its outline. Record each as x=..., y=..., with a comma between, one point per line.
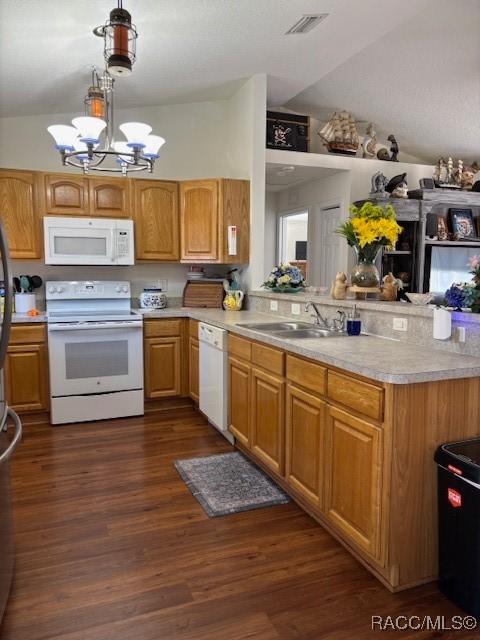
x=52, y=289
x=118, y=289
x=59, y=289
x=125, y=289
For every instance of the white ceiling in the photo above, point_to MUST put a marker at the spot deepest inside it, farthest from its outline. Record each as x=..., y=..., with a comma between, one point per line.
x=412, y=67
x=280, y=177
x=187, y=49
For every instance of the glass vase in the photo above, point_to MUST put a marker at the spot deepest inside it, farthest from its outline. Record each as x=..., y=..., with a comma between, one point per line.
x=365, y=273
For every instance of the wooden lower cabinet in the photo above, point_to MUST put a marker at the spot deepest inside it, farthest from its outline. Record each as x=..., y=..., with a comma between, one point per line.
x=193, y=369
x=267, y=419
x=305, y=444
x=26, y=369
x=163, y=364
x=353, y=479
x=239, y=394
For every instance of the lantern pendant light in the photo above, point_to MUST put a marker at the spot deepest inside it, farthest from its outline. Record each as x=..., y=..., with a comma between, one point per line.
x=95, y=98
x=120, y=37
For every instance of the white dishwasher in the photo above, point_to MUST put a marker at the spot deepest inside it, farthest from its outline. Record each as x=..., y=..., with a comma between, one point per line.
x=213, y=379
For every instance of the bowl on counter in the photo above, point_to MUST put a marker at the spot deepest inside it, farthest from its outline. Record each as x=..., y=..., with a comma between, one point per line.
x=152, y=298
x=420, y=298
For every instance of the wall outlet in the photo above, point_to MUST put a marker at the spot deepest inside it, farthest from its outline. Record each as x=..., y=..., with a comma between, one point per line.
x=400, y=324
x=162, y=284
x=273, y=305
x=295, y=309
x=461, y=334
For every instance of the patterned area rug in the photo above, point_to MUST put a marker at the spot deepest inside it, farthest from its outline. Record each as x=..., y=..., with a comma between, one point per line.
x=228, y=483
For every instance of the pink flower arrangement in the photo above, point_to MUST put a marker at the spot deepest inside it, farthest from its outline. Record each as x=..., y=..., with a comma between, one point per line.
x=474, y=263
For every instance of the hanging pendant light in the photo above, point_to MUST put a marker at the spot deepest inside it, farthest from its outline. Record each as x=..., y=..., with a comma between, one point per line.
x=90, y=140
x=120, y=37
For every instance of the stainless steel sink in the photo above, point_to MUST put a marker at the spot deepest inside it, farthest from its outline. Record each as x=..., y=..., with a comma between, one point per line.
x=303, y=334
x=276, y=326
x=292, y=330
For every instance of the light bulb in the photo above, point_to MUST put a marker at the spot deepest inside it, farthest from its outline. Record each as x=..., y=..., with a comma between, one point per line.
x=153, y=144
x=136, y=133
x=89, y=128
x=64, y=136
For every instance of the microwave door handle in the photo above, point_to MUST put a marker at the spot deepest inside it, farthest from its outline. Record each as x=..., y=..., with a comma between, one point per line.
x=8, y=307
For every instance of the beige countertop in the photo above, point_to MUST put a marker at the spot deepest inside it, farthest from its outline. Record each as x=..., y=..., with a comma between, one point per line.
x=377, y=358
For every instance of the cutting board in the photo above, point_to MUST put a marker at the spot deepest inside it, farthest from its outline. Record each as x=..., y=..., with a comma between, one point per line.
x=203, y=293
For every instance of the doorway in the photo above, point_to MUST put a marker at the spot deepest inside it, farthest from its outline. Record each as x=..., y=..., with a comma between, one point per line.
x=293, y=240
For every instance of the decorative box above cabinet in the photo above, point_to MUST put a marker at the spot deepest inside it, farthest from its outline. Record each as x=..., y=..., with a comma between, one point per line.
x=155, y=212
x=215, y=221
x=18, y=212
x=64, y=194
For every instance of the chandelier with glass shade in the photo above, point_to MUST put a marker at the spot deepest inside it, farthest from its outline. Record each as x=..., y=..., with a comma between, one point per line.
x=89, y=141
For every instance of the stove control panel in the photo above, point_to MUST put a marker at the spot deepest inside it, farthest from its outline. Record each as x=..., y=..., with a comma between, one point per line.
x=87, y=289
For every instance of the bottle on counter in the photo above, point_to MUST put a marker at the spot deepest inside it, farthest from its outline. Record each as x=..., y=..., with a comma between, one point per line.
x=354, y=324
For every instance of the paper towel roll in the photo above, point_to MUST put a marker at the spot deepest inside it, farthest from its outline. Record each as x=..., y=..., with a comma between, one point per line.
x=24, y=302
x=442, y=324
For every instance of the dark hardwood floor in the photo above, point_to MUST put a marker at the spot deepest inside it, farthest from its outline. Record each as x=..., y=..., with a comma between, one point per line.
x=112, y=546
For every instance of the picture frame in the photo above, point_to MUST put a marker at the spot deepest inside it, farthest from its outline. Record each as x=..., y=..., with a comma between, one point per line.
x=462, y=223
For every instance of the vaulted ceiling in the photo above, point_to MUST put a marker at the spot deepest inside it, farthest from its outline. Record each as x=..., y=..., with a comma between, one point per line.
x=411, y=67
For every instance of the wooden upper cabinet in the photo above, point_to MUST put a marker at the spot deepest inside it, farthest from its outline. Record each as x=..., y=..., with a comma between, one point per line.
x=199, y=220
x=109, y=199
x=208, y=208
x=65, y=194
x=19, y=213
x=353, y=479
x=156, y=220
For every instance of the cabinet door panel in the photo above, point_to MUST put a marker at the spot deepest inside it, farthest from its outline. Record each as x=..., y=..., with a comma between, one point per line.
x=109, y=199
x=66, y=194
x=156, y=220
x=199, y=212
x=193, y=370
x=353, y=479
x=26, y=375
x=18, y=212
x=162, y=367
x=305, y=442
x=239, y=400
x=268, y=419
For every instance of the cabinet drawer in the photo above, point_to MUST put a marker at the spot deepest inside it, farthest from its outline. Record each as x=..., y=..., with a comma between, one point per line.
x=162, y=328
x=239, y=347
x=357, y=395
x=268, y=358
x=193, y=328
x=307, y=374
x=27, y=334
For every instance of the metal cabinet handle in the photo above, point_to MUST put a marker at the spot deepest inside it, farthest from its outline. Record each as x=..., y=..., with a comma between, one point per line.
x=16, y=438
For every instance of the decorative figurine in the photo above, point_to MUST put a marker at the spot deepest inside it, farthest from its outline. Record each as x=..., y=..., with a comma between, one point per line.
x=369, y=142
x=458, y=173
x=382, y=154
x=393, y=148
x=468, y=176
x=397, y=187
x=379, y=182
x=390, y=288
x=339, y=288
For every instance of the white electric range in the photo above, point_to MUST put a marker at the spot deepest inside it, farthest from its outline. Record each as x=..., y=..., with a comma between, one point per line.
x=95, y=346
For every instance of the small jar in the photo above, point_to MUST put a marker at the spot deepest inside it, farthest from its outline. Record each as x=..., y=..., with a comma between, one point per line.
x=152, y=298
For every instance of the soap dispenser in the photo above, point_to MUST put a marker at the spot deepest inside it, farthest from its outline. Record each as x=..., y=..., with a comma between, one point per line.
x=354, y=324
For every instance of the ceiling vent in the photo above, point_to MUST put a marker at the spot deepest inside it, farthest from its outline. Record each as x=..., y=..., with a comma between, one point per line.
x=307, y=23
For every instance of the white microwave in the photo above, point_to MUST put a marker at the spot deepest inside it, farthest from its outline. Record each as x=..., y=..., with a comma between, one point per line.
x=95, y=241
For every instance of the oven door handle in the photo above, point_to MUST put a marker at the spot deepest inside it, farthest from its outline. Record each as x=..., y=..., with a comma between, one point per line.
x=89, y=327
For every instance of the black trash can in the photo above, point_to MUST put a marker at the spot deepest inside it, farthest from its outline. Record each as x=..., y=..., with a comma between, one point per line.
x=459, y=523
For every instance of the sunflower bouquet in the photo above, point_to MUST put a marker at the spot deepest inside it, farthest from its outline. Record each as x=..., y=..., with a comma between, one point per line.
x=369, y=228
